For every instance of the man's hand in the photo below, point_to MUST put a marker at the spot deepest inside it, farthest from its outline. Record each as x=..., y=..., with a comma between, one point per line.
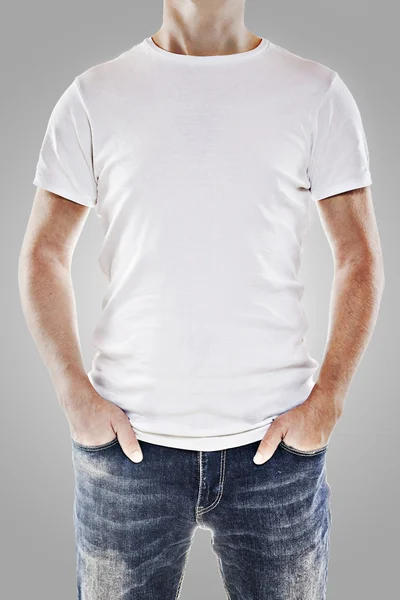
x=305, y=427
x=49, y=307
x=94, y=421
x=350, y=225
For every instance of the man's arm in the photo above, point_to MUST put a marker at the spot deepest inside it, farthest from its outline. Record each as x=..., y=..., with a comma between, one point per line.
x=48, y=304
x=350, y=226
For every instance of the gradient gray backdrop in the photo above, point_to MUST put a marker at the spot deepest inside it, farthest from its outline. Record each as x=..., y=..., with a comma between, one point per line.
x=44, y=45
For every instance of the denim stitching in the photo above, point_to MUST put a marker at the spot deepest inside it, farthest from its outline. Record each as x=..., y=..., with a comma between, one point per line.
x=303, y=452
x=199, y=460
x=201, y=511
x=94, y=448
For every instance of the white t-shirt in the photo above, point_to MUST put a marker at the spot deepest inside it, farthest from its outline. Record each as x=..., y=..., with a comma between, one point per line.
x=202, y=170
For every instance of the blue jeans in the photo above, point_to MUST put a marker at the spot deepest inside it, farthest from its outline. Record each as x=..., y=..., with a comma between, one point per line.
x=134, y=522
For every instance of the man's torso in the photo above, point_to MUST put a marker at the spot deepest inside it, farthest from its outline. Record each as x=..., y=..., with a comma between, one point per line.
x=204, y=199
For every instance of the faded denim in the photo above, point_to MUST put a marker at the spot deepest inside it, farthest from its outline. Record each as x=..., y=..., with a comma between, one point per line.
x=134, y=522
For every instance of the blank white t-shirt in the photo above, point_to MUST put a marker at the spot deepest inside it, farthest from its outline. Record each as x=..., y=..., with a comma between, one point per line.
x=202, y=170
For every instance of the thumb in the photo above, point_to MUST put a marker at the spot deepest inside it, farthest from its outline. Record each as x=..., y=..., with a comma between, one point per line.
x=127, y=440
x=268, y=444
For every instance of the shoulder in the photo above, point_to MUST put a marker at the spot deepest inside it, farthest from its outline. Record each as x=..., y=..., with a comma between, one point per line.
x=305, y=73
x=107, y=75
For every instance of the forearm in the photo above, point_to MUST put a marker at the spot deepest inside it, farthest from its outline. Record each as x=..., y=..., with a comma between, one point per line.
x=48, y=304
x=355, y=299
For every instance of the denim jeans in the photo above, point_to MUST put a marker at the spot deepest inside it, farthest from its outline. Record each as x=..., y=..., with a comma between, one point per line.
x=134, y=522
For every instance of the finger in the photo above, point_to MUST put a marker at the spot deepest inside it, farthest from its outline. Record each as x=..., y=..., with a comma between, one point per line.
x=127, y=439
x=268, y=445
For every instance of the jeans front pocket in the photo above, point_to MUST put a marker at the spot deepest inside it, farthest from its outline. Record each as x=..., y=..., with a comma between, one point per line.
x=299, y=452
x=94, y=448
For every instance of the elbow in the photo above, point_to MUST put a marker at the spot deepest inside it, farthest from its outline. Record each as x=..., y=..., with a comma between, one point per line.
x=40, y=254
x=36, y=262
x=367, y=267
x=31, y=265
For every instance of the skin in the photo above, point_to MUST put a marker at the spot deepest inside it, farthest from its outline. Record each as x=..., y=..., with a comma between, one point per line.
x=200, y=27
x=48, y=303
x=350, y=226
x=205, y=27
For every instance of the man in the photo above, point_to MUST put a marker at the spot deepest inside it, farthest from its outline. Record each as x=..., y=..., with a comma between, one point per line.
x=202, y=149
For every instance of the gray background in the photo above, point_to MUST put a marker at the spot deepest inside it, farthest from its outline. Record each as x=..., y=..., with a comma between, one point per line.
x=44, y=45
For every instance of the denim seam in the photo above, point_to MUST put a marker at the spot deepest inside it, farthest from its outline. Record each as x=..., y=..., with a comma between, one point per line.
x=303, y=452
x=94, y=448
x=201, y=511
x=199, y=461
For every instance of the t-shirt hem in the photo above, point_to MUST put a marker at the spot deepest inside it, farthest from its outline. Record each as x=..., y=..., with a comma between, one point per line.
x=55, y=189
x=206, y=444
x=341, y=187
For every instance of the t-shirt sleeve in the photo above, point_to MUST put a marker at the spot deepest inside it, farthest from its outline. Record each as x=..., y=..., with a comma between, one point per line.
x=65, y=164
x=339, y=159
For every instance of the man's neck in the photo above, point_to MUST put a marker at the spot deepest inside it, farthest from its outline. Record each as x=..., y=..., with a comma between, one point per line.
x=205, y=27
